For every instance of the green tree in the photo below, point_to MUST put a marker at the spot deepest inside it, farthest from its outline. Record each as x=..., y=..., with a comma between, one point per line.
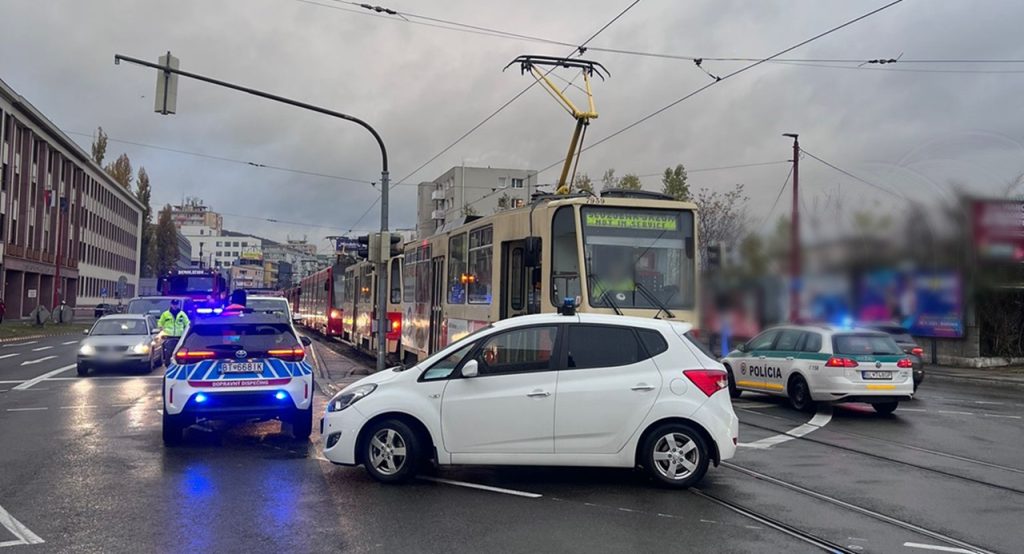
x=166, y=242
x=143, y=193
x=753, y=257
x=674, y=181
x=609, y=180
x=630, y=181
x=468, y=211
x=121, y=171
x=99, y=146
x=582, y=183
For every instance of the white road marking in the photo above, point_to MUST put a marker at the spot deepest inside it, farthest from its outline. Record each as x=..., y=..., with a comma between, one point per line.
x=752, y=405
x=69, y=342
x=77, y=407
x=37, y=360
x=913, y=410
x=25, y=409
x=1003, y=416
x=988, y=403
x=954, y=412
x=482, y=487
x=10, y=355
x=21, y=343
x=937, y=548
x=16, y=528
x=32, y=382
x=93, y=378
x=820, y=419
x=41, y=348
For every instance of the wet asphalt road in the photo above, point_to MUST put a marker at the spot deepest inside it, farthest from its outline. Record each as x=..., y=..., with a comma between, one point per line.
x=83, y=469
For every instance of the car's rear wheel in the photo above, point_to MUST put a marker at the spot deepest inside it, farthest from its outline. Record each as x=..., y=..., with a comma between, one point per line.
x=800, y=394
x=733, y=391
x=173, y=429
x=676, y=455
x=82, y=369
x=391, y=451
x=302, y=423
x=885, y=408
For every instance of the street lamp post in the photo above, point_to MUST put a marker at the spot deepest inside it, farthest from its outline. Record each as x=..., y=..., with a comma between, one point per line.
x=167, y=95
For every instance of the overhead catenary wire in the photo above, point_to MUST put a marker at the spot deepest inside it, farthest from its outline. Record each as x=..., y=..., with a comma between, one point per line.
x=728, y=76
x=771, y=210
x=497, y=111
x=855, y=177
x=452, y=25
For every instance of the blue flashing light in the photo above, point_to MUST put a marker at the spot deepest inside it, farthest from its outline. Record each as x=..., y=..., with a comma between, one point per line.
x=280, y=395
x=847, y=322
x=200, y=398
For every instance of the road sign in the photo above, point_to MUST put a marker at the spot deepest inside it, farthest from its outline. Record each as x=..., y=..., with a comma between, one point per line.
x=166, y=101
x=31, y=293
x=103, y=292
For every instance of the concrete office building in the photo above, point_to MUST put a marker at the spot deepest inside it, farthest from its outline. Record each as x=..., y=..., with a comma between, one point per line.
x=464, y=191
x=60, y=215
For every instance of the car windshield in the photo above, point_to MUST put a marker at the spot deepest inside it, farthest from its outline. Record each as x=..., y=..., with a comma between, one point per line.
x=119, y=326
x=149, y=305
x=181, y=284
x=632, y=252
x=275, y=305
x=253, y=337
x=865, y=345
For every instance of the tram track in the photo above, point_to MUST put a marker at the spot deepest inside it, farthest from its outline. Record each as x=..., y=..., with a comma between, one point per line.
x=944, y=473
x=849, y=506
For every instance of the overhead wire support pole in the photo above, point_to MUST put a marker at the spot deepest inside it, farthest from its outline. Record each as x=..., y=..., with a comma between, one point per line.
x=794, y=235
x=384, y=174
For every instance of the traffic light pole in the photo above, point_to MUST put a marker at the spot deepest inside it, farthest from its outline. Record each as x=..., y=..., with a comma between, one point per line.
x=168, y=69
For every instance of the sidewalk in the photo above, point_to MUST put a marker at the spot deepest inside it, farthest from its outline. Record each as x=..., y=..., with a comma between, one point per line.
x=1001, y=375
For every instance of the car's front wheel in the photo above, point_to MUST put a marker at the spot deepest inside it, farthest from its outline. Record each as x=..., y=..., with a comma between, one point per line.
x=885, y=408
x=82, y=369
x=391, y=451
x=676, y=455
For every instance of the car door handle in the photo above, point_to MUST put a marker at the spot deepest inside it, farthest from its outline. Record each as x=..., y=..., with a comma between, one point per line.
x=538, y=394
x=790, y=358
x=762, y=357
x=643, y=387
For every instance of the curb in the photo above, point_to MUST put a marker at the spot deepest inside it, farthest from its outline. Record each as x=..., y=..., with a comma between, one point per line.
x=34, y=337
x=971, y=379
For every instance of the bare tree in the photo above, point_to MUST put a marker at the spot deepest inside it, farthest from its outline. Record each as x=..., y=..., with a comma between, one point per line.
x=722, y=216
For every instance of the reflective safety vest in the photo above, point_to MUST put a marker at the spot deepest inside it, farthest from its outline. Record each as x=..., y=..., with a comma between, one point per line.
x=174, y=326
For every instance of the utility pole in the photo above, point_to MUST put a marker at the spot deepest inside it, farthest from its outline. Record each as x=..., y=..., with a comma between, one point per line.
x=166, y=102
x=794, y=235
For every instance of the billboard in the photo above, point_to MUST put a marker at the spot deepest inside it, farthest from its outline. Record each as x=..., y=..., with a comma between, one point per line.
x=997, y=229
x=927, y=303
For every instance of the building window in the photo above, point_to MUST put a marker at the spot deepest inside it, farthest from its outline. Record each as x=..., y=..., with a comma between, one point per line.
x=480, y=260
x=517, y=183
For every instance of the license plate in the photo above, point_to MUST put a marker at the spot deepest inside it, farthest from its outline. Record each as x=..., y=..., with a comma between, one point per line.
x=878, y=375
x=242, y=367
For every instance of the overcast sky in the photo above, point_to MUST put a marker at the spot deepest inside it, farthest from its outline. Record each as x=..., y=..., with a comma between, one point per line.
x=915, y=127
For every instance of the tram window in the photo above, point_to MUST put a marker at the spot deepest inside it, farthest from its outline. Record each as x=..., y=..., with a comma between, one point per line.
x=457, y=277
x=396, y=281
x=409, y=276
x=481, y=259
x=516, y=279
x=565, y=260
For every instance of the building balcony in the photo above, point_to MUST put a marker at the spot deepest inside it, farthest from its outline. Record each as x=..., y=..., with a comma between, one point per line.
x=437, y=214
x=437, y=195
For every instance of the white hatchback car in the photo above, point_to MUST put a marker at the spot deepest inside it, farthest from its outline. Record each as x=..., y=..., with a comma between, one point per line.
x=559, y=390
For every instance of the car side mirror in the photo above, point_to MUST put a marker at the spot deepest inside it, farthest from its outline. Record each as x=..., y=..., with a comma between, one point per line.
x=306, y=341
x=85, y=331
x=470, y=369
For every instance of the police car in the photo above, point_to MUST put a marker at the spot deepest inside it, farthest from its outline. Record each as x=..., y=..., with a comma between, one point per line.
x=810, y=364
x=239, y=366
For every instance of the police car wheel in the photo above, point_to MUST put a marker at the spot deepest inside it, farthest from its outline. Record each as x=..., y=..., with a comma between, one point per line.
x=391, y=451
x=301, y=424
x=675, y=455
x=800, y=394
x=733, y=391
x=173, y=429
x=885, y=408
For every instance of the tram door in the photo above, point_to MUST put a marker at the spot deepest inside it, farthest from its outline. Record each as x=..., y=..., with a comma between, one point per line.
x=513, y=279
x=437, y=275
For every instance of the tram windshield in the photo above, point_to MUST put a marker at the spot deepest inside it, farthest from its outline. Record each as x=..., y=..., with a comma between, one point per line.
x=639, y=258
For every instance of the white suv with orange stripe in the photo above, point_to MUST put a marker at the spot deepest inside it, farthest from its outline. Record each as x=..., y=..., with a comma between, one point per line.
x=810, y=364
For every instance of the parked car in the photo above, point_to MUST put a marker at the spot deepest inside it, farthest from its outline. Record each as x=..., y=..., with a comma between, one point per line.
x=104, y=309
x=907, y=344
x=821, y=363
x=129, y=341
x=545, y=389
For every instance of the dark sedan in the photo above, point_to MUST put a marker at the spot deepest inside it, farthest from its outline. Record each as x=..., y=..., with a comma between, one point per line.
x=907, y=344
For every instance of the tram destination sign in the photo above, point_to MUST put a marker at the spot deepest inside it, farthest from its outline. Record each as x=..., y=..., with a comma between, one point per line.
x=631, y=220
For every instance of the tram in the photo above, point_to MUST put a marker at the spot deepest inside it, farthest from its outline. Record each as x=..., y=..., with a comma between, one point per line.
x=358, y=303
x=319, y=300
x=625, y=252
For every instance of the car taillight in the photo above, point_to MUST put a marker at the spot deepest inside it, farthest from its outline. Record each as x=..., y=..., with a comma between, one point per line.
x=295, y=354
x=394, y=325
x=905, y=363
x=186, y=356
x=917, y=351
x=709, y=381
x=840, y=362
